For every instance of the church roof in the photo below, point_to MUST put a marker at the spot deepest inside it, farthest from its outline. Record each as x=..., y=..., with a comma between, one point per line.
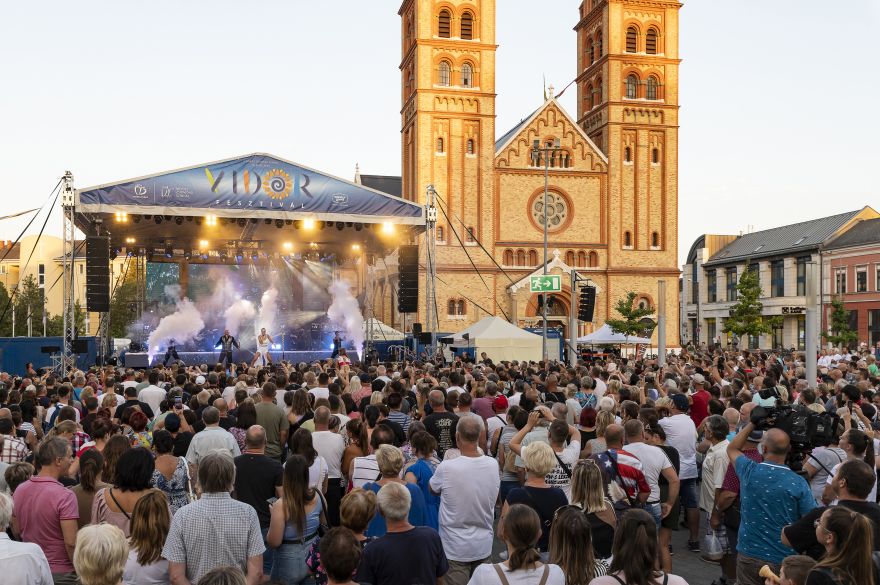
x=384, y=183
x=803, y=236
x=507, y=136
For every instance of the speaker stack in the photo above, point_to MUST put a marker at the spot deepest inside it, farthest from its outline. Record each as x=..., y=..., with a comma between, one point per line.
x=97, y=274
x=408, y=270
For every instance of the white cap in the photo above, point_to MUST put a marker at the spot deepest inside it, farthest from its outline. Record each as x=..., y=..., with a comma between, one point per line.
x=200, y=380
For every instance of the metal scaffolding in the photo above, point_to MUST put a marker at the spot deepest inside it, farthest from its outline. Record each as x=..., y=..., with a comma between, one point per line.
x=68, y=200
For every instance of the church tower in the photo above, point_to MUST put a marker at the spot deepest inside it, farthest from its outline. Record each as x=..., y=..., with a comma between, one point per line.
x=448, y=131
x=628, y=66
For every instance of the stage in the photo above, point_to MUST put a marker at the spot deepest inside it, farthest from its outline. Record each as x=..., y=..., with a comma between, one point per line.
x=197, y=358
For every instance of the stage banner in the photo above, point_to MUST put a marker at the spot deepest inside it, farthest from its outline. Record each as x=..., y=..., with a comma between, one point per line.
x=256, y=185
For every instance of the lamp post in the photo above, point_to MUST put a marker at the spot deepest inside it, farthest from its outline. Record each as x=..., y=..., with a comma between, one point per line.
x=551, y=148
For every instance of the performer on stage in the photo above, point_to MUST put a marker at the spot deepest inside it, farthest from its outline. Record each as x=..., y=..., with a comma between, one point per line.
x=337, y=344
x=226, y=343
x=263, y=343
x=171, y=352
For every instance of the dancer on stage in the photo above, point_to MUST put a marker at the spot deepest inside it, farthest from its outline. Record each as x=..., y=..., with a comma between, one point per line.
x=226, y=343
x=337, y=344
x=171, y=352
x=264, y=340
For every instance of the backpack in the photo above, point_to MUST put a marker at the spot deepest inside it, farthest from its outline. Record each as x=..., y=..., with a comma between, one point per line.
x=509, y=460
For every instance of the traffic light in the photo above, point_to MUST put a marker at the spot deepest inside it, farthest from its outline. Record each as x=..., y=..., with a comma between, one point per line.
x=587, y=303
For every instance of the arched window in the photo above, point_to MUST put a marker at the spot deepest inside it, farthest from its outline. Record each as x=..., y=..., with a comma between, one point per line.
x=651, y=41
x=632, y=86
x=627, y=154
x=445, y=73
x=582, y=260
x=599, y=48
x=470, y=146
x=471, y=235
x=597, y=97
x=627, y=239
x=652, y=87
x=462, y=307
x=591, y=51
x=569, y=258
x=467, y=75
x=444, y=24
x=533, y=258
x=594, y=260
x=440, y=145
x=467, y=25
x=632, y=40
x=655, y=156
x=520, y=258
x=451, y=307
x=508, y=257
x=441, y=235
x=655, y=240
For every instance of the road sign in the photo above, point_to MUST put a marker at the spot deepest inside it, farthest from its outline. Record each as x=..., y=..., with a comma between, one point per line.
x=549, y=283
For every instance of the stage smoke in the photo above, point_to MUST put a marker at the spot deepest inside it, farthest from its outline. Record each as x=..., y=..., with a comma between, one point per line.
x=345, y=314
x=240, y=312
x=182, y=326
x=268, y=312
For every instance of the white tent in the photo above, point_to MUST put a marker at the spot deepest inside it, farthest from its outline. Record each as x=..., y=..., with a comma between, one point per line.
x=381, y=331
x=606, y=336
x=500, y=340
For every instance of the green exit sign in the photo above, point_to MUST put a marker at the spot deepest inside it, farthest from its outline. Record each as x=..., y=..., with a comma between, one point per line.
x=549, y=283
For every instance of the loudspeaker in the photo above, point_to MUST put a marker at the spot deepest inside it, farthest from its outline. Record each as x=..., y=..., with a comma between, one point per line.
x=408, y=271
x=425, y=339
x=416, y=329
x=137, y=360
x=587, y=304
x=97, y=274
x=79, y=346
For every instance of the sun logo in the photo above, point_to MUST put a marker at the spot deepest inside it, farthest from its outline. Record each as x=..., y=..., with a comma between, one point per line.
x=277, y=184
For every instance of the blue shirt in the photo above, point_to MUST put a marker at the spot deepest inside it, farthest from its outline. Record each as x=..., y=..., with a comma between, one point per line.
x=772, y=497
x=377, y=526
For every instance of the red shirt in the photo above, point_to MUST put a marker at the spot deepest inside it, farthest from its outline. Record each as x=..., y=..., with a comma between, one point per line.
x=731, y=479
x=700, y=406
x=41, y=503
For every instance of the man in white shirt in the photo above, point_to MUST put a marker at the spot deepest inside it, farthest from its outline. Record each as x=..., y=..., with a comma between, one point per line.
x=681, y=433
x=716, y=429
x=153, y=394
x=22, y=562
x=212, y=438
x=468, y=487
x=331, y=447
x=381, y=374
x=654, y=464
x=321, y=390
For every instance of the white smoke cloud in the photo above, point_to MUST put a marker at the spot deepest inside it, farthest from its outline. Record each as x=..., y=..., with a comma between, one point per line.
x=345, y=313
x=183, y=325
x=268, y=312
x=239, y=312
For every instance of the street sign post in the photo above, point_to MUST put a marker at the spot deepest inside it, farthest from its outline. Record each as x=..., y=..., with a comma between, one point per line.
x=549, y=283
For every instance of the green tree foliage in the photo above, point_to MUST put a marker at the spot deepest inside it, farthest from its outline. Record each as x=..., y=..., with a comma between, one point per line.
x=839, y=333
x=123, y=307
x=634, y=320
x=745, y=315
x=55, y=324
x=6, y=321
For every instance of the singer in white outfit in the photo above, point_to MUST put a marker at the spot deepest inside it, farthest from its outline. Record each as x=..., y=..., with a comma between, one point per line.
x=264, y=340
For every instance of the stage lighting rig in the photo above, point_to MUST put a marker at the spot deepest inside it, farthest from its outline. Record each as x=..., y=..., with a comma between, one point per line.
x=178, y=220
x=308, y=224
x=169, y=251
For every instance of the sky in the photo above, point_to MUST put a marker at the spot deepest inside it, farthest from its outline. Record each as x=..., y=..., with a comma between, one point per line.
x=777, y=97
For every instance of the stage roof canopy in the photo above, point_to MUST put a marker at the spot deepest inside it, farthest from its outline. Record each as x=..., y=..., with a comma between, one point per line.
x=242, y=199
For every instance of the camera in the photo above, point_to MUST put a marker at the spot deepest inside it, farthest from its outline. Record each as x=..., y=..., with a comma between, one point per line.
x=807, y=429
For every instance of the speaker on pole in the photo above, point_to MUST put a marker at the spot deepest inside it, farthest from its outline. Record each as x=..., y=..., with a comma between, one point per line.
x=408, y=271
x=98, y=274
x=587, y=303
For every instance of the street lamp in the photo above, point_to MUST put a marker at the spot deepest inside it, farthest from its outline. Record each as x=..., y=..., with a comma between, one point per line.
x=551, y=148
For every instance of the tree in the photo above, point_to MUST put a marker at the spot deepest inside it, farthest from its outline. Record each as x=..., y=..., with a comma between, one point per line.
x=839, y=333
x=55, y=324
x=123, y=305
x=745, y=315
x=29, y=301
x=5, y=312
x=635, y=319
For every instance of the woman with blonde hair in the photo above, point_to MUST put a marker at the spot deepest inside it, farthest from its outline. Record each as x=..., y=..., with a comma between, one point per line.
x=571, y=547
x=604, y=418
x=100, y=554
x=150, y=522
x=588, y=494
x=390, y=461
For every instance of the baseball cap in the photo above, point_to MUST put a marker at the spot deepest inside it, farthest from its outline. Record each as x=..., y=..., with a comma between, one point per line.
x=698, y=378
x=200, y=380
x=364, y=378
x=755, y=436
x=671, y=384
x=500, y=402
x=680, y=401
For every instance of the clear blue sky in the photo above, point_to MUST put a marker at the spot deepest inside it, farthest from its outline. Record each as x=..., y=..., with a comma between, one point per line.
x=778, y=97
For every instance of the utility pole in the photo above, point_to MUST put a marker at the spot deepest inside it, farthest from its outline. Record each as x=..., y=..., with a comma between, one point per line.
x=661, y=322
x=811, y=342
x=537, y=152
x=572, y=321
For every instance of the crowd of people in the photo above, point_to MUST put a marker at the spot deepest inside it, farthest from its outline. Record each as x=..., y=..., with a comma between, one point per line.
x=467, y=472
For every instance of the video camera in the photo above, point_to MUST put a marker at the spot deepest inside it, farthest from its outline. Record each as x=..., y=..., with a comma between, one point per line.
x=806, y=428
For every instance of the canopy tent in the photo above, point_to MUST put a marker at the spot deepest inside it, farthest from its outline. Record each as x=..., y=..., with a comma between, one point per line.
x=606, y=336
x=381, y=331
x=500, y=340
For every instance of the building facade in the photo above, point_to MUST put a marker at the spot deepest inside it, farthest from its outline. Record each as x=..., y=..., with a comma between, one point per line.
x=612, y=211
x=851, y=272
x=784, y=258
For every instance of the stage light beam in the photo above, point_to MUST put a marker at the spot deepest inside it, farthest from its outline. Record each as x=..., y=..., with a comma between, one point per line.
x=387, y=228
x=211, y=220
x=288, y=246
x=308, y=224
x=203, y=244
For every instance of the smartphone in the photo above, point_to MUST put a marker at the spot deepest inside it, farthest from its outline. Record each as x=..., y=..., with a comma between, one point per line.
x=272, y=500
x=178, y=403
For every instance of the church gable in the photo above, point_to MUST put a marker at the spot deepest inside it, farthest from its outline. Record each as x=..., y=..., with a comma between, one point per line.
x=550, y=122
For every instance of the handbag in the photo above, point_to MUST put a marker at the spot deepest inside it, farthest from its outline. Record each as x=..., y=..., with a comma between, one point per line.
x=323, y=527
x=190, y=492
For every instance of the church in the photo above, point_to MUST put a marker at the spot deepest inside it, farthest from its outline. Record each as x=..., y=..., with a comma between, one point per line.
x=612, y=168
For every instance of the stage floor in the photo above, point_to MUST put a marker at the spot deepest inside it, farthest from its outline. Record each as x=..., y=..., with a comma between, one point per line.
x=212, y=357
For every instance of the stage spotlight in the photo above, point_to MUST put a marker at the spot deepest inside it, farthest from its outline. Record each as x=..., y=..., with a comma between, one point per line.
x=121, y=217
x=178, y=220
x=211, y=220
x=129, y=240
x=356, y=247
x=358, y=227
x=158, y=219
x=117, y=252
x=198, y=221
x=167, y=218
x=308, y=224
x=387, y=228
x=288, y=222
x=136, y=218
x=287, y=246
x=242, y=221
x=187, y=255
x=189, y=218
x=132, y=253
x=148, y=217
x=254, y=220
x=255, y=256
x=267, y=221
x=340, y=226
x=239, y=255
x=203, y=244
x=169, y=251
x=223, y=257
x=279, y=223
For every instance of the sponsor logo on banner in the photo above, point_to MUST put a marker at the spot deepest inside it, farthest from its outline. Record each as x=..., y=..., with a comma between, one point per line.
x=339, y=199
x=140, y=190
x=277, y=184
